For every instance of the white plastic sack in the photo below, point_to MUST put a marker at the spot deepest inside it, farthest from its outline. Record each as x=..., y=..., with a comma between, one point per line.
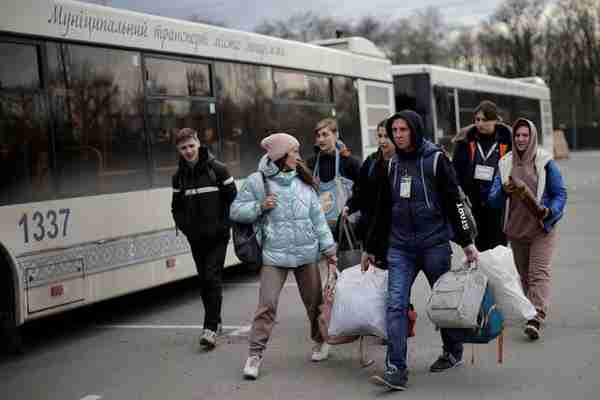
x=504, y=280
x=359, y=303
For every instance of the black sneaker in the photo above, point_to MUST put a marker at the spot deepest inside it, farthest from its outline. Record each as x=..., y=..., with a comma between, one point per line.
x=393, y=379
x=444, y=362
x=532, y=329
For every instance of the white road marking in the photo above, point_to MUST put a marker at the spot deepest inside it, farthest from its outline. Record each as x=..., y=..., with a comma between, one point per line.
x=91, y=397
x=255, y=284
x=236, y=329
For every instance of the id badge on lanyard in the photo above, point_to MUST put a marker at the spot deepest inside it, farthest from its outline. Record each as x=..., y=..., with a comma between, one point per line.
x=405, y=183
x=484, y=172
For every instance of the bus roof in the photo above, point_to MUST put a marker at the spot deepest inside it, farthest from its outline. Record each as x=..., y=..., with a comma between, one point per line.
x=454, y=78
x=92, y=23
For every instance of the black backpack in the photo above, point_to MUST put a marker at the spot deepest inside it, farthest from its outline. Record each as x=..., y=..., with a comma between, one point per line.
x=245, y=243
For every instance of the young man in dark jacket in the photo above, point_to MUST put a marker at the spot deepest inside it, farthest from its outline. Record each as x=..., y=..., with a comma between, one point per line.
x=476, y=155
x=419, y=211
x=203, y=190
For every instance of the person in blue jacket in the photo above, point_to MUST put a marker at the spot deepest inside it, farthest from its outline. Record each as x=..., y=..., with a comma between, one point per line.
x=530, y=231
x=293, y=235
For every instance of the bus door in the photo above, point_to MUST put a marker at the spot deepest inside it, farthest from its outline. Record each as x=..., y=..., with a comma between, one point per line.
x=376, y=103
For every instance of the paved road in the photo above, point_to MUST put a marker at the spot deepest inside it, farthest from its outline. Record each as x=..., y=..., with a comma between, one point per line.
x=144, y=346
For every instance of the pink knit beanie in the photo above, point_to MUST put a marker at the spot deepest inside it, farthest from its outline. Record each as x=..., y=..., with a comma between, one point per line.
x=278, y=145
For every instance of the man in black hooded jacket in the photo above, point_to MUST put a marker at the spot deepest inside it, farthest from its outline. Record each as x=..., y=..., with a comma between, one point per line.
x=418, y=212
x=203, y=191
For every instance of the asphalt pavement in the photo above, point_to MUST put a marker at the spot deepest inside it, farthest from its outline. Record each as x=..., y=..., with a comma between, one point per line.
x=145, y=345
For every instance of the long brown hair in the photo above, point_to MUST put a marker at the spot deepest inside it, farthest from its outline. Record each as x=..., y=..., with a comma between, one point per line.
x=304, y=173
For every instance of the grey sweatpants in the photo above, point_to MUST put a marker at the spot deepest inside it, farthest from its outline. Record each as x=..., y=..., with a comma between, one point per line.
x=533, y=259
x=272, y=280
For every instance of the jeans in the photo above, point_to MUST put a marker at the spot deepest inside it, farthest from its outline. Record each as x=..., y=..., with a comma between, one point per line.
x=209, y=257
x=404, y=266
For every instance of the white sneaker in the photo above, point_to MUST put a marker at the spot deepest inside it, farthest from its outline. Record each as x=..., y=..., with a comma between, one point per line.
x=208, y=339
x=320, y=352
x=252, y=367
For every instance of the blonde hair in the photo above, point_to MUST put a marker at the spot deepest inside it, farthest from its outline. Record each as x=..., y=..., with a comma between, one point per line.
x=330, y=123
x=184, y=135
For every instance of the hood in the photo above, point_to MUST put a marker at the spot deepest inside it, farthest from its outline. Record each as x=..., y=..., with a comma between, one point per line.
x=267, y=167
x=204, y=157
x=271, y=171
x=529, y=154
x=415, y=123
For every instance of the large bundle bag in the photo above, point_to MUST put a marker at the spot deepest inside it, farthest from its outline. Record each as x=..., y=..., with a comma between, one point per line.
x=504, y=280
x=359, y=305
x=456, y=298
x=325, y=314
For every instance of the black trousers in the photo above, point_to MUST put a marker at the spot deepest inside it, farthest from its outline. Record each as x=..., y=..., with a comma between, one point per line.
x=209, y=257
x=490, y=223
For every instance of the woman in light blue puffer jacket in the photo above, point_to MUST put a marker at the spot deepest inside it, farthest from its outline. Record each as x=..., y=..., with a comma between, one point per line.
x=293, y=234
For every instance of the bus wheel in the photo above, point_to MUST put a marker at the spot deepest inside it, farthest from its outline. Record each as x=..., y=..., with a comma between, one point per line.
x=10, y=333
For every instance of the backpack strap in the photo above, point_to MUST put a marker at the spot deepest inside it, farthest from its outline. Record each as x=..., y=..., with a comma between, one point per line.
x=436, y=157
x=211, y=173
x=472, y=148
x=503, y=149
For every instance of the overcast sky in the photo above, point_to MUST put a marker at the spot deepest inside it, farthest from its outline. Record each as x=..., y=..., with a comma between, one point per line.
x=246, y=14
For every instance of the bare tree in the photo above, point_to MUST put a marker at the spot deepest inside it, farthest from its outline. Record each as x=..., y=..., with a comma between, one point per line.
x=511, y=39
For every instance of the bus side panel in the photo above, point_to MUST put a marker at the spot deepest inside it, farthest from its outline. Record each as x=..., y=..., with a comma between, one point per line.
x=106, y=285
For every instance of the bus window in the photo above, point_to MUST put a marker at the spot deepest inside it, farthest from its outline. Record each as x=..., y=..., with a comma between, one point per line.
x=24, y=146
x=165, y=118
x=177, y=78
x=19, y=67
x=298, y=86
x=345, y=95
x=245, y=99
x=413, y=92
x=299, y=120
x=300, y=101
x=468, y=100
x=445, y=108
x=97, y=99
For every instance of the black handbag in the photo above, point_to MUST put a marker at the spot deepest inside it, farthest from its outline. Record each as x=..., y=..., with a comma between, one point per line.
x=245, y=242
x=349, y=254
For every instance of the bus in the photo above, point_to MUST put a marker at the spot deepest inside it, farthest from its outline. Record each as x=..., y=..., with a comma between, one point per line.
x=90, y=99
x=446, y=99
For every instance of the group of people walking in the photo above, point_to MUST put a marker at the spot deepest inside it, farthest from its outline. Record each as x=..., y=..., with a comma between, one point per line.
x=411, y=206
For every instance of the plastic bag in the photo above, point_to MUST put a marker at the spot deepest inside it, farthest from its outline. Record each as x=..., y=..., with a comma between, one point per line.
x=499, y=266
x=359, y=305
x=325, y=315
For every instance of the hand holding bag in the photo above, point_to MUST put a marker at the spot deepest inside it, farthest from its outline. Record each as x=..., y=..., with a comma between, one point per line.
x=350, y=255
